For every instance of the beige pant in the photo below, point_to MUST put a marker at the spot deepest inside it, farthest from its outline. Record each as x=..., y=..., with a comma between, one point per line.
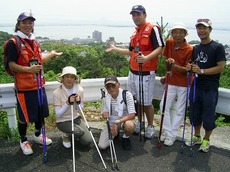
x=80, y=130
x=128, y=128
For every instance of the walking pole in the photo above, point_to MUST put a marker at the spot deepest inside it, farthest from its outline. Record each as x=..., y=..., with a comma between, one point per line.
x=87, y=125
x=73, y=144
x=40, y=103
x=141, y=99
x=112, y=148
x=193, y=100
x=186, y=106
x=169, y=68
x=193, y=108
x=111, y=143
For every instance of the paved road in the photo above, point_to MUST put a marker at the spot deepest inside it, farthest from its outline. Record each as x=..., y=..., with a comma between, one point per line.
x=144, y=157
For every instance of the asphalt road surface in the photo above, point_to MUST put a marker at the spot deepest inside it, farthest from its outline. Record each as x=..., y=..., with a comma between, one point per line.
x=144, y=156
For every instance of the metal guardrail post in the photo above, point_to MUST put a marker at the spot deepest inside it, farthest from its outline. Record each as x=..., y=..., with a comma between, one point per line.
x=12, y=122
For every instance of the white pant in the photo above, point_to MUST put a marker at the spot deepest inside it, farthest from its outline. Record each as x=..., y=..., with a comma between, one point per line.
x=174, y=109
x=104, y=138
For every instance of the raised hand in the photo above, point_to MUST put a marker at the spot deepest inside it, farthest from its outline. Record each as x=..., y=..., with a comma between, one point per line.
x=111, y=48
x=54, y=53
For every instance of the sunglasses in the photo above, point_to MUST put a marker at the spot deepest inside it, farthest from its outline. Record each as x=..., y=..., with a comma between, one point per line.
x=203, y=20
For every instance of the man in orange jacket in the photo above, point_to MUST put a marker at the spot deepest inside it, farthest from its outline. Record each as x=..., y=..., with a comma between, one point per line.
x=146, y=45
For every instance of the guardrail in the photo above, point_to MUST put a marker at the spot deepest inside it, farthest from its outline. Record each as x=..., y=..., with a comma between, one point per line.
x=92, y=93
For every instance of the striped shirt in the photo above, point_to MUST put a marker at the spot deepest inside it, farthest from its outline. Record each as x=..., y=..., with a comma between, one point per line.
x=115, y=104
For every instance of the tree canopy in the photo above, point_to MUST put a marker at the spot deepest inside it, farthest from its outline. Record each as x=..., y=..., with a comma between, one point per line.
x=91, y=61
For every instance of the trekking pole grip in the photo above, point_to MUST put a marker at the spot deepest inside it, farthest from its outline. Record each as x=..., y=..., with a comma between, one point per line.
x=71, y=103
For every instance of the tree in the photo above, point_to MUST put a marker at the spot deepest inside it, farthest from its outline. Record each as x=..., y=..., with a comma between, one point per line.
x=4, y=36
x=90, y=62
x=161, y=61
x=164, y=32
x=5, y=78
x=115, y=62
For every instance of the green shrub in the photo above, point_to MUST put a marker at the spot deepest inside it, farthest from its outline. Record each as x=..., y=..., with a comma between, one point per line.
x=5, y=131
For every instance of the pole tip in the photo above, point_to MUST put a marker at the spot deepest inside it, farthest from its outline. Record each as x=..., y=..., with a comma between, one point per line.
x=45, y=159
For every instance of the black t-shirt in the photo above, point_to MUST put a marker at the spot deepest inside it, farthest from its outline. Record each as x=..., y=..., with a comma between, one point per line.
x=207, y=56
x=12, y=53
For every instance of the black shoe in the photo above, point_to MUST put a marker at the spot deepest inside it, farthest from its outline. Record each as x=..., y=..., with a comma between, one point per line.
x=126, y=144
x=116, y=137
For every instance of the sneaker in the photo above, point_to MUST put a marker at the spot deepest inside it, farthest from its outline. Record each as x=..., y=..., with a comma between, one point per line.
x=204, y=147
x=149, y=132
x=26, y=147
x=169, y=141
x=195, y=141
x=137, y=127
x=126, y=144
x=39, y=140
x=66, y=141
x=163, y=137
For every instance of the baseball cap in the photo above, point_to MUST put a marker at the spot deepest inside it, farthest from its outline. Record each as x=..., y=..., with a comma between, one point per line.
x=25, y=15
x=205, y=22
x=69, y=70
x=110, y=80
x=138, y=8
x=178, y=26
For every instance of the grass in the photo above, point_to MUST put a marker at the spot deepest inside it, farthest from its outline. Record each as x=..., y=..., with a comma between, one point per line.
x=13, y=135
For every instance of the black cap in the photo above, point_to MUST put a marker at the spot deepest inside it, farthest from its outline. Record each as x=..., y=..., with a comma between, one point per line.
x=110, y=80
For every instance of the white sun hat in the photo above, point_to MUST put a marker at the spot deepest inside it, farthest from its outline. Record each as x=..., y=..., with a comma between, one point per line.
x=69, y=70
x=178, y=26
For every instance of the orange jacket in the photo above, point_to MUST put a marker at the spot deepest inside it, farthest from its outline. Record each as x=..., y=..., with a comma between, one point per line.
x=141, y=38
x=27, y=81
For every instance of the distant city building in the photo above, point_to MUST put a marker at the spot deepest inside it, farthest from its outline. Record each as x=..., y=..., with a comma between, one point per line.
x=97, y=36
x=111, y=40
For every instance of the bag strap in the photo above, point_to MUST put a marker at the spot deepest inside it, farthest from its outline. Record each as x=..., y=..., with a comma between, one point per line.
x=124, y=96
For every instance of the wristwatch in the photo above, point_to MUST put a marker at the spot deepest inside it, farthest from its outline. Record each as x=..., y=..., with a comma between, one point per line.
x=202, y=71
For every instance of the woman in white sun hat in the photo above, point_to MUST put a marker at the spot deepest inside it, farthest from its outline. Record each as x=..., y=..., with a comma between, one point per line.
x=178, y=53
x=67, y=93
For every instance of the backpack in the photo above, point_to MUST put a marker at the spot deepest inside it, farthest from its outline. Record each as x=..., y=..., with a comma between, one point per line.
x=17, y=42
x=125, y=101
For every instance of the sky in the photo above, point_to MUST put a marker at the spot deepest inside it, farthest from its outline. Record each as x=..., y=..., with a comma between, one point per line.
x=116, y=12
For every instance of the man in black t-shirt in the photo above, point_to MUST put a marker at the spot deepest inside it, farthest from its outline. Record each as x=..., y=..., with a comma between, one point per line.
x=208, y=62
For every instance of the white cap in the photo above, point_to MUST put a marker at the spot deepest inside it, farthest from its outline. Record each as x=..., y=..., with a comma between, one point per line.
x=178, y=26
x=206, y=22
x=69, y=70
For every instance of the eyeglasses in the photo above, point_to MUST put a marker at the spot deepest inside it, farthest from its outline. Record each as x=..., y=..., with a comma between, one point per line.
x=108, y=86
x=203, y=20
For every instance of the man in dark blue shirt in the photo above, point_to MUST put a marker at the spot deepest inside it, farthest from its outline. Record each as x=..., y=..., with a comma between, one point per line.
x=208, y=62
